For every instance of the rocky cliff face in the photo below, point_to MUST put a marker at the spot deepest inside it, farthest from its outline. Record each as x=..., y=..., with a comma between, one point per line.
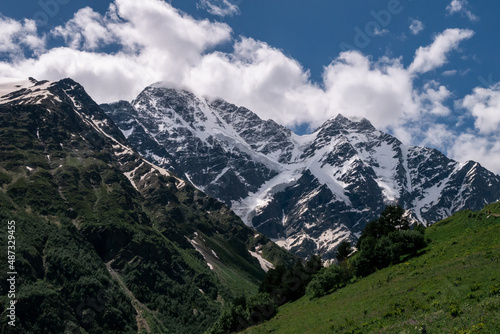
x=306, y=192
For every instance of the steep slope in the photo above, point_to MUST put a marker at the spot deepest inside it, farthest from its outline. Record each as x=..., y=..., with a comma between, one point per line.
x=306, y=192
x=452, y=287
x=166, y=125
x=108, y=242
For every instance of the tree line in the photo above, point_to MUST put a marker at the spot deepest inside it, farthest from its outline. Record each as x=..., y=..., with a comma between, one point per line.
x=385, y=241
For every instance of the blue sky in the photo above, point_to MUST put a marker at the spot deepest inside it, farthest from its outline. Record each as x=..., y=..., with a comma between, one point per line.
x=426, y=71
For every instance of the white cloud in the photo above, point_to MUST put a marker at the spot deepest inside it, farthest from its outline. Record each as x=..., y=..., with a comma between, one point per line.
x=416, y=26
x=435, y=55
x=17, y=37
x=87, y=30
x=220, y=7
x=433, y=98
x=275, y=86
x=380, y=91
x=155, y=42
x=465, y=146
x=470, y=146
x=438, y=135
x=450, y=73
x=259, y=77
x=156, y=24
x=379, y=32
x=455, y=6
x=481, y=143
x=484, y=105
x=459, y=6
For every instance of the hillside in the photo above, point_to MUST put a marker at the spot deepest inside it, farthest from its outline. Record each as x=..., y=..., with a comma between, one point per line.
x=453, y=287
x=309, y=192
x=105, y=241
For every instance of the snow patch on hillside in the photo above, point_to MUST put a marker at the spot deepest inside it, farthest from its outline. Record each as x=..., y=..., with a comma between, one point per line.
x=264, y=264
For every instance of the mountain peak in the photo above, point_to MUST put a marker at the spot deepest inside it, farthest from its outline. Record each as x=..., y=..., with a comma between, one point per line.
x=26, y=92
x=10, y=85
x=169, y=86
x=340, y=122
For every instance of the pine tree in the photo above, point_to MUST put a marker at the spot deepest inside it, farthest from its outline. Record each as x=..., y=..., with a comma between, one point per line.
x=343, y=250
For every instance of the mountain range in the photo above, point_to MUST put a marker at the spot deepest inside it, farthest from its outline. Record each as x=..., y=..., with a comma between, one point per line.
x=309, y=192
x=118, y=226
x=105, y=241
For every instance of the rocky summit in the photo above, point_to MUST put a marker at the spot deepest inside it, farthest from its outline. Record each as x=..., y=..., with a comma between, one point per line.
x=308, y=193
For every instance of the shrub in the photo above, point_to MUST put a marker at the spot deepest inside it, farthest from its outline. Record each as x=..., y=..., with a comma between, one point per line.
x=289, y=284
x=5, y=179
x=326, y=281
x=390, y=220
x=386, y=241
x=455, y=310
x=243, y=313
x=419, y=228
x=260, y=307
x=232, y=319
x=343, y=250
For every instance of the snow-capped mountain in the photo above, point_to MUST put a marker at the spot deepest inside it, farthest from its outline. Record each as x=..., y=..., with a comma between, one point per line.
x=307, y=192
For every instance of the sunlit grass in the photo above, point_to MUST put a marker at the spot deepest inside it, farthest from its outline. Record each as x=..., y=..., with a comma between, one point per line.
x=453, y=287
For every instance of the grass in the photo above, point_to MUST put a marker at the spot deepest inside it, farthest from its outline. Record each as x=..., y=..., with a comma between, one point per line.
x=453, y=287
x=233, y=270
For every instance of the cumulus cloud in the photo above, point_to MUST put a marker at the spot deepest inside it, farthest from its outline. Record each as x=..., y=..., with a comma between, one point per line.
x=276, y=86
x=380, y=91
x=435, y=55
x=258, y=76
x=484, y=105
x=156, y=42
x=479, y=143
x=220, y=7
x=152, y=41
x=86, y=30
x=433, y=97
x=465, y=146
x=18, y=37
x=460, y=6
x=470, y=146
x=416, y=26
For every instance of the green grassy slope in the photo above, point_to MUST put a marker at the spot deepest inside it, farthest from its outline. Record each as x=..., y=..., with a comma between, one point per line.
x=452, y=288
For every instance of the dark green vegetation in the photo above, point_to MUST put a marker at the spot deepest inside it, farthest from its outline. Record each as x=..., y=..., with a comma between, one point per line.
x=97, y=253
x=243, y=313
x=385, y=241
x=328, y=280
x=343, y=250
x=289, y=284
x=283, y=284
x=452, y=287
